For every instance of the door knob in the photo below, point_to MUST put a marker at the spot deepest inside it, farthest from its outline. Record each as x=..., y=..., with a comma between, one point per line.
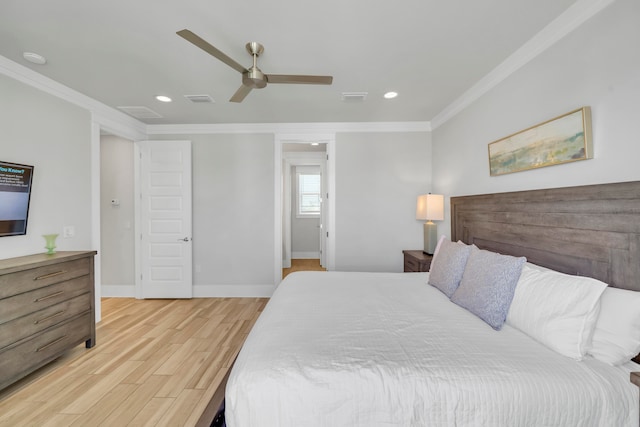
x=186, y=239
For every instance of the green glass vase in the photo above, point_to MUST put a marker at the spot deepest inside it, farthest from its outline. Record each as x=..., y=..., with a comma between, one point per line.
x=50, y=243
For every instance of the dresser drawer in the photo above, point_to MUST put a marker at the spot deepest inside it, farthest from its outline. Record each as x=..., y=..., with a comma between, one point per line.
x=35, y=322
x=27, y=280
x=27, y=356
x=37, y=299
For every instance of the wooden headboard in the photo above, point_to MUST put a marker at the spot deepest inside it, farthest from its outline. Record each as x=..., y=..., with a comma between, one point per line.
x=591, y=230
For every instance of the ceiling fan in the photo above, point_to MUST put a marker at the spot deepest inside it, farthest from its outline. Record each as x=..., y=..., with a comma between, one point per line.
x=252, y=77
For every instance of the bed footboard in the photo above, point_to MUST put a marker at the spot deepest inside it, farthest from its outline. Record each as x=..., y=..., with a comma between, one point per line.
x=635, y=376
x=213, y=415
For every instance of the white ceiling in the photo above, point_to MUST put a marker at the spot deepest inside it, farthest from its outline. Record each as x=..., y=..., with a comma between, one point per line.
x=124, y=52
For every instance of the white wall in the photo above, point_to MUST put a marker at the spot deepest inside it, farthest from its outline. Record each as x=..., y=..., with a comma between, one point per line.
x=378, y=175
x=53, y=135
x=596, y=65
x=233, y=213
x=378, y=178
x=117, y=222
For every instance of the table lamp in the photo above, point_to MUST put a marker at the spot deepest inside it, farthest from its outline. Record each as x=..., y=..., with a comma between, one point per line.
x=430, y=208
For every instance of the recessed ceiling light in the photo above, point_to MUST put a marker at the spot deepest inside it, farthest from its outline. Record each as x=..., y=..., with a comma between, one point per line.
x=390, y=95
x=34, y=58
x=315, y=143
x=163, y=98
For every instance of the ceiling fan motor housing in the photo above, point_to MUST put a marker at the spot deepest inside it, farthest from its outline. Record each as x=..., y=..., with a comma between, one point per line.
x=254, y=78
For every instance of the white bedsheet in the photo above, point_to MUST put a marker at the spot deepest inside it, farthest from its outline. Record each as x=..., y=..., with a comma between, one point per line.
x=386, y=349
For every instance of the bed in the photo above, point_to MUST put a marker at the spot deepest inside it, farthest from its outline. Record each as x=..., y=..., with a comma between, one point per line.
x=390, y=349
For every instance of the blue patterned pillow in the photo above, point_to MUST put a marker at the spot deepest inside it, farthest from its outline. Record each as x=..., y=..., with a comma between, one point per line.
x=448, y=265
x=488, y=284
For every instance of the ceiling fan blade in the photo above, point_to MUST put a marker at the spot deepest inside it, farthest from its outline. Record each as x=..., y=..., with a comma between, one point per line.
x=210, y=49
x=240, y=94
x=293, y=79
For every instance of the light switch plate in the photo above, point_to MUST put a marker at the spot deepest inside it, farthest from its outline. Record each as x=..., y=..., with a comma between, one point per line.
x=68, y=231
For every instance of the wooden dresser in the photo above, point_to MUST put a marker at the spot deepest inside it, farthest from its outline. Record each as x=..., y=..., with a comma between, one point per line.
x=47, y=306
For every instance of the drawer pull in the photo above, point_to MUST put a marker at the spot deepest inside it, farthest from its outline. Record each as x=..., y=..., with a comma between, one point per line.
x=55, y=294
x=47, y=276
x=49, y=317
x=46, y=346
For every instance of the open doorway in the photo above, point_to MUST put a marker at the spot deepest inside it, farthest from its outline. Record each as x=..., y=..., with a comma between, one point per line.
x=117, y=219
x=304, y=210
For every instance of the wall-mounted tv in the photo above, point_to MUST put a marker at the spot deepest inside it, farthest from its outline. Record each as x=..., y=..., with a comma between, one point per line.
x=15, y=194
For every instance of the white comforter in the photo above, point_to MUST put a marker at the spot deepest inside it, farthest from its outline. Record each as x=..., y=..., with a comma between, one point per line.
x=385, y=349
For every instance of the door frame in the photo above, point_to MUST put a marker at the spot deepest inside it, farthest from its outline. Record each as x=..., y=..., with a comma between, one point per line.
x=301, y=159
x=100, y=124
x=330, y=197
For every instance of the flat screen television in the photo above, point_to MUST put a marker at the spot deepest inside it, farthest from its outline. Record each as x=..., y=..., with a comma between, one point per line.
x=15, y=194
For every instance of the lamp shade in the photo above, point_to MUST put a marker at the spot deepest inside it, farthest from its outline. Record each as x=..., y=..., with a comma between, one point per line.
x=430, y=207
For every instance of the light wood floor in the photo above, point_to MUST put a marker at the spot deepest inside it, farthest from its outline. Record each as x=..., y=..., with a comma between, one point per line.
x=303, y=265
x=156, y=363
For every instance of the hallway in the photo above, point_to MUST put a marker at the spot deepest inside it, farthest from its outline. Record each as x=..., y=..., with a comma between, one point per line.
x=303, y=265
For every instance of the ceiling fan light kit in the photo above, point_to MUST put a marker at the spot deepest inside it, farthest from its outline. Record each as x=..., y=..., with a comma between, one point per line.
x=253, y=77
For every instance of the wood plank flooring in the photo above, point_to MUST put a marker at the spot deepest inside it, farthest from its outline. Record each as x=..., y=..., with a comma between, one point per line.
x=156, y=363
x=303, y=265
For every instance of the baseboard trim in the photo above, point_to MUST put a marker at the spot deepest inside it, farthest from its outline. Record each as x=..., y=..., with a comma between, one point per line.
x=118, y=291
x=233, y=291
x=199, y=291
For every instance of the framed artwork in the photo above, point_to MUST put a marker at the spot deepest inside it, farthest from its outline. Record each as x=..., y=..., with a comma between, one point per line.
x=563, y=139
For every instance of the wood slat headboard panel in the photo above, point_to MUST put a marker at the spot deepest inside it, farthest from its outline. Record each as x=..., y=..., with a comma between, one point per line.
x=591, y=230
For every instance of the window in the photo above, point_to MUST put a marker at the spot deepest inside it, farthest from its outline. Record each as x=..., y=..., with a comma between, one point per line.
x=309, y=194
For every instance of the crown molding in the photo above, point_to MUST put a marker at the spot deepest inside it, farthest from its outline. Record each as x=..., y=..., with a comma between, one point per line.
x=124, y=125
x=116, y=127
x=113, y=119
x=565, y=23
x=288, y=128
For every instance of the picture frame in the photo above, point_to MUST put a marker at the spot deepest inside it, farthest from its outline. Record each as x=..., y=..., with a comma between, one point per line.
x=563, y=139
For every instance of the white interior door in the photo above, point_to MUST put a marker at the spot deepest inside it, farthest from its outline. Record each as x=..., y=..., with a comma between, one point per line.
x=165, y=220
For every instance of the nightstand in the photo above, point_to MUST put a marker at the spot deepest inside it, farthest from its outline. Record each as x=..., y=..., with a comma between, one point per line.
x=416, y=261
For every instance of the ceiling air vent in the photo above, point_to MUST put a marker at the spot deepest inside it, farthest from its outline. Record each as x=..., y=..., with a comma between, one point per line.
x=140, y=112
x=199, y=99
x=354, y=96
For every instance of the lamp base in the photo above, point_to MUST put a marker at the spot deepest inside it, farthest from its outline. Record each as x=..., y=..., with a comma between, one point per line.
x=430, y=237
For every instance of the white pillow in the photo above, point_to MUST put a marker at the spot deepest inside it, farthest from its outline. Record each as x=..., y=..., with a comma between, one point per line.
x=537, y=267
x=616, y=338
x=556, y=309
